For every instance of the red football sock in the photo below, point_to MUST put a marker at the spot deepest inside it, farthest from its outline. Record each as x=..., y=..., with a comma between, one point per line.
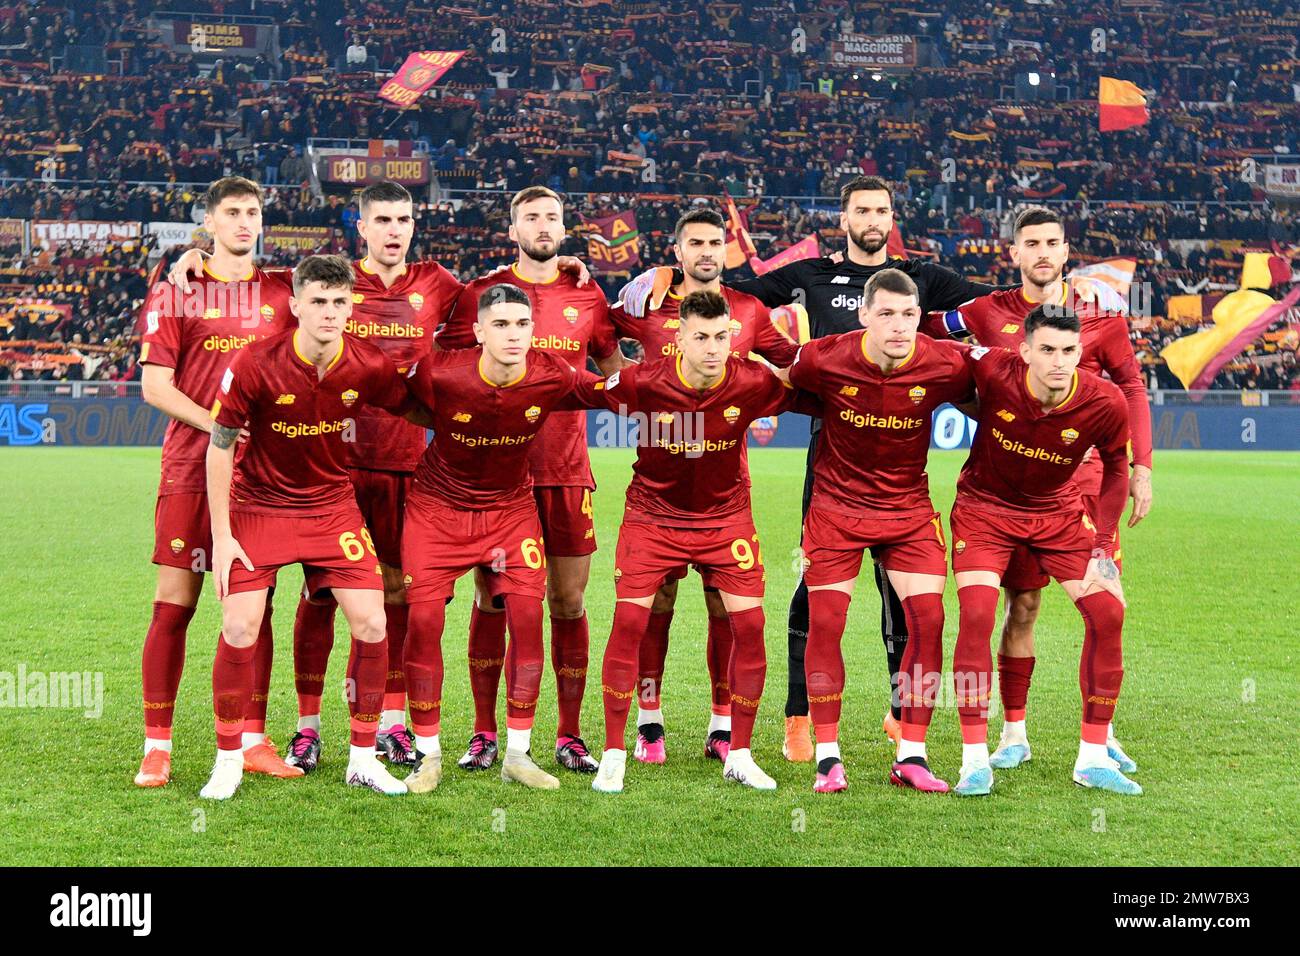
x=367, y=670
x=524, y=657
x=313, y=639
x=395, y=629
x=922, y=664
x=1013, y=683
x=232, y=683
x=618, y=670
x=972, y=665
x=569, y=651
x=487, y=655
x=747, y=668
x=422, y=664
x=828, y=610
x=652, y=657
x=718, y=652
x=1101, y=666
x=162, y=661
x=263, y=656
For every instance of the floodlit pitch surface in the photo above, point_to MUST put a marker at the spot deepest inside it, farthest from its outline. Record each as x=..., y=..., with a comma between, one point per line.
x=1208, y=709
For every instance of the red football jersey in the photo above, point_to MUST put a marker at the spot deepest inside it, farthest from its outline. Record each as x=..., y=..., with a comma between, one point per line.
x=691, y=469
x=1023, y=459
x=483, y=434
x=875, y=436
x=197, y=335
x=297, y=456
x=567, y=321
x=997, y=320
x=402, y=320
x=751, y=329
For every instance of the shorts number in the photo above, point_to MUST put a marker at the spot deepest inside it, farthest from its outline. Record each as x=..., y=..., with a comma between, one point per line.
x=586, y=505
x=531, y=552
x=745, y=556
x=353, y=549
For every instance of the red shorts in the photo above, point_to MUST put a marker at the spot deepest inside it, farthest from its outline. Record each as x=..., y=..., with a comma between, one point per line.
x=1061, y=543
x=833, y=545
x=334, y=549
x=728, y=558
x=567, y=520
x=440, y=543
x=182, y=532
x=1025, y=572
x=381, y=496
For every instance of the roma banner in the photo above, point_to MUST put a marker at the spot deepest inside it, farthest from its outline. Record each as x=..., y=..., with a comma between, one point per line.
x=13, y=232
x=304, y=239
x=1121, y=104
x=613, y=243
x=417, y=74
x=1239, y=318
x=803, y=249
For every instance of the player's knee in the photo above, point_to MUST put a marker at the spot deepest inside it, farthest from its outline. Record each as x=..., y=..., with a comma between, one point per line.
x=241, y=631
x=565, y=602
x=371, y=628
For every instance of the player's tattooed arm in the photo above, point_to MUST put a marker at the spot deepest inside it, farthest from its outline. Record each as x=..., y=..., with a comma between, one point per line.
x=224, y=437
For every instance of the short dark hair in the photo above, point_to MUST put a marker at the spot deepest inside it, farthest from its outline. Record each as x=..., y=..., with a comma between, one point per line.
x=529, y=194
x=503, y=293
x=703, y=305
x=330, y=271
x=704, y=214
x=1035, y=216
x=860, y=184
x=229, y=186
x=888, y=280
x=1051, y=316
x=384, y=191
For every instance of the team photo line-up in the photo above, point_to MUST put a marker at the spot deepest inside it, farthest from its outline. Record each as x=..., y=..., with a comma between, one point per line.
x=302, y=403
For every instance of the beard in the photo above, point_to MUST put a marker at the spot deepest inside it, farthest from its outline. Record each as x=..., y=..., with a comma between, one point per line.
x=701, y=275
x=870, y=244
x=540, y=253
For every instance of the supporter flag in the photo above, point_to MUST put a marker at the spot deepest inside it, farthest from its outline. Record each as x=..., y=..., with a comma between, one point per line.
x=894, y=248
x=740, y=248
x=1109, y=285
x=417, y=74
x=1239, y=319
x=803, y=249
x=1263, y=270
x=1121, y=104
x=613, y=242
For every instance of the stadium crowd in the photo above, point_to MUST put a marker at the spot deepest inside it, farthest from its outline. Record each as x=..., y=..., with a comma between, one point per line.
x=724, y=100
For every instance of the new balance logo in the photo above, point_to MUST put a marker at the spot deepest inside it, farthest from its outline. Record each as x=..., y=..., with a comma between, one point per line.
x=285, y=399
x=1006, y=416
x=840, y=280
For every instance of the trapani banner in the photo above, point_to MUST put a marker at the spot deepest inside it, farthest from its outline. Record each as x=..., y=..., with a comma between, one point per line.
x=90, y=235
x=860, y=51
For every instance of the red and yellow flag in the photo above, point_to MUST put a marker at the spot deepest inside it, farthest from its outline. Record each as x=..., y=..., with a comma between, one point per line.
x=417, y=74
x=740, y=248
x=1121, y=105
x=1239, y=318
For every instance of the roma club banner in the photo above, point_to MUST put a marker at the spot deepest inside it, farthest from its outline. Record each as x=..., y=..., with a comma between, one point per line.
x=417, y=74
x=613, y=243
x=805, y=248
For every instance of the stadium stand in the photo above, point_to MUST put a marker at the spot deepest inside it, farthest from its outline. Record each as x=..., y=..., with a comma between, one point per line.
x=106, y=118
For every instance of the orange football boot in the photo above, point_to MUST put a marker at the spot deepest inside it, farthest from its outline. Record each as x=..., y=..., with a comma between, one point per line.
x=155, y=768
x=798, y=746
x=890, y=725
x=263, y=758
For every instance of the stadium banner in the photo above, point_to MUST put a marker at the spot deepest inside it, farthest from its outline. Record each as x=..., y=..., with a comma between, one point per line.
x=172, y=234
x=90, y=235
x=13, y=230
x=805, y=248
x=613, y=244
x=860, y=51
x=304, y=239
x=120, y=422
x=234, y=39
x=338, y=168
x=417, y=74
x=1282, y=181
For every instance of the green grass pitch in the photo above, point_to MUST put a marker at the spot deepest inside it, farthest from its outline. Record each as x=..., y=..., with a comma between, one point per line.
x=1208, y=710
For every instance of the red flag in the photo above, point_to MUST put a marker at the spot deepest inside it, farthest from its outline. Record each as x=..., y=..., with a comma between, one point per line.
x=613, y=243
x=894, y=244
x=740, y=248
x=803, y=249
x=417, y=74
x=1120, y=104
